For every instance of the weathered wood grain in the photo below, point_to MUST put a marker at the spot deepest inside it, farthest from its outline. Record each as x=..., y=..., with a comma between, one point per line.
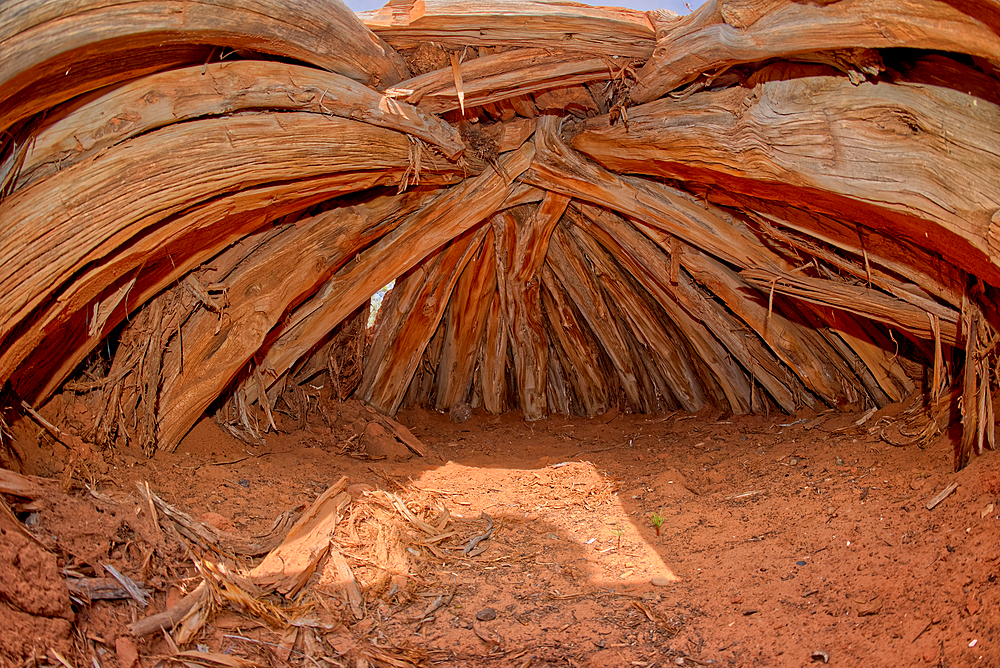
x=109, y=117
x=53, y=51
x=405, y=332
x=468, y=311
x=442, y=219
x=504, y=75
x=576, y=347
x=529, y=237
x=912, y=160
x=125, y=192
x=212, y=348
x=723, y=33
x=610, y=31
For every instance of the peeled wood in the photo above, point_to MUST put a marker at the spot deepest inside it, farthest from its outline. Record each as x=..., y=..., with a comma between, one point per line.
x=130, y=188
x=610, y=31
x=669, y=350
x=576, y=346
x=559, y=168
x=66, y=332
x=139, y=106
x=504, y=75
x=493, y=359
x=55, y=50
x=653, y=269
x=858, y=299
x=878, y=256
x=529, y=234
x=723, y=33
x=583, y=288
x=796, y=346
x=914, y=160
x=287, y=567
x=403, y=335
x=214, y=347
x=468, y=311
x=448, y=215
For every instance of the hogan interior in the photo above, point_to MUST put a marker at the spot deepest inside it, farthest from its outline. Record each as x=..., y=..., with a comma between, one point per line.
x=520, y=333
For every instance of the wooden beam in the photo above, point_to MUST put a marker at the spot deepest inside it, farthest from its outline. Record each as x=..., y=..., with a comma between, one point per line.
x=445, y=217
x=54, y=51
x=131, y=188
x=609, y=31
x=576, y=346
x=583, y=288
x=213, y=348
x=529, y=237
x=559, y=168
x=722, y=33
x=407, y=326
x=468, y=312
x=82, y=128
x=502, y=76
x=701, y=319
x=916, y=161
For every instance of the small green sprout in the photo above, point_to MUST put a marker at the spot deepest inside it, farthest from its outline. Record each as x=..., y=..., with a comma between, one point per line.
x=657, y=521
x=618, y=531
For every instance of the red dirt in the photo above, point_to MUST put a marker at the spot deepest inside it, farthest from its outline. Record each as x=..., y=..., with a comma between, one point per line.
x=780, y=538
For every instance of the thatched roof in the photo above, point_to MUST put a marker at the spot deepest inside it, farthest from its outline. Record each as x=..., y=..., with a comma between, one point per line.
x=758, y=206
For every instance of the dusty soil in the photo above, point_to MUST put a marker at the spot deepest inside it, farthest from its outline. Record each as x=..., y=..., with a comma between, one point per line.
x=780, y=542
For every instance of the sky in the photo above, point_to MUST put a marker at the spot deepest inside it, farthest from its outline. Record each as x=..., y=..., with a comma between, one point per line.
x=673, y=5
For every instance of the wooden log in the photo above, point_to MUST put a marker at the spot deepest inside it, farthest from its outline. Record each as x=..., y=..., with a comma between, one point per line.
x=493, y=359
x=66, y=332
x=57, y=50
x=878, y=257
x=560, y=169
x=404, y=332
x=529, y=235
x=468, y=312
x=501, y=76
x=583, y=288
x=723, y=33
x=134, y=186
x=74, y=131
x=916, y=161
x=859, y=299
x=609, y=31
x=448, y=215
x=213, y=348
x=796, y=346
x=557, y=396
x=576, y=346
x=701, y=319
x=672, y=357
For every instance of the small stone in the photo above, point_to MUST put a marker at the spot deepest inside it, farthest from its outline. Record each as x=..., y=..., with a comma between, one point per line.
x=486, y=615
x=244, y=483
x=660, y=581
x=551, y=536
x=460, y=412
x=800, y=563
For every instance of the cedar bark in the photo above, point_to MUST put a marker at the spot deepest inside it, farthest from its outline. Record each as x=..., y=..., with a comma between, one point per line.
x=404, y=332
x=723, y=33
x=913, y=160
x=44, y=42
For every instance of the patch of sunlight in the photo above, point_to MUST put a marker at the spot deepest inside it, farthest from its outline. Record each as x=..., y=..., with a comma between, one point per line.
x=570, y=509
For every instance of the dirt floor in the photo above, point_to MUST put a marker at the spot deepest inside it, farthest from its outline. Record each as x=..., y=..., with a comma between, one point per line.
x=625, y=540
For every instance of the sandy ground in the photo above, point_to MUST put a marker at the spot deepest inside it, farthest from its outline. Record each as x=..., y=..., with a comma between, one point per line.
x=625, y=540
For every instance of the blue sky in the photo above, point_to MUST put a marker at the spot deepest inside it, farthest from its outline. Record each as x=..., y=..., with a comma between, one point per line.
x=672, y=5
